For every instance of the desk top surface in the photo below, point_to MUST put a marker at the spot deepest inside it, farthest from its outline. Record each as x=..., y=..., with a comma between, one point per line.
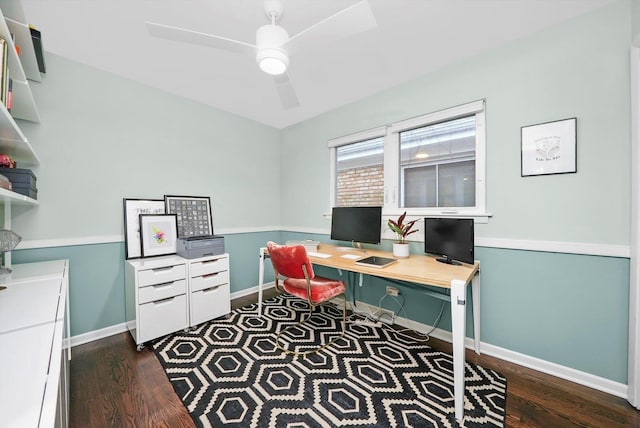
x=418, y=268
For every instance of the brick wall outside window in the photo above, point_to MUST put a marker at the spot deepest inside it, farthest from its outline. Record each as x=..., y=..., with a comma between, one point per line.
x=362, y=186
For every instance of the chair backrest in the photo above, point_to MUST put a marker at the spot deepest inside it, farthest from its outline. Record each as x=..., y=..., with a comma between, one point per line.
x=288, y=260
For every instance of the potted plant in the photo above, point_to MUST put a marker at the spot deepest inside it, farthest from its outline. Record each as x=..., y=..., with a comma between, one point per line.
x=402, y=230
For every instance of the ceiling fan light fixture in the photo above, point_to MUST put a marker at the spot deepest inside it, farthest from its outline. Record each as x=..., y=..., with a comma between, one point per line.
x=271, y=58
x=272, y=61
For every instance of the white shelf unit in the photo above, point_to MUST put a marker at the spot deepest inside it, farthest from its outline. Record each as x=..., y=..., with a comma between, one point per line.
x=22, y=68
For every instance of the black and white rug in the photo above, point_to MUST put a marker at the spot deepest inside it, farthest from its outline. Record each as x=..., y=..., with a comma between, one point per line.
x=228, y=372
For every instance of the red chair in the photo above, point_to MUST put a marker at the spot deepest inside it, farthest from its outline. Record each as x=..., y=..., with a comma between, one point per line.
x=292, y=262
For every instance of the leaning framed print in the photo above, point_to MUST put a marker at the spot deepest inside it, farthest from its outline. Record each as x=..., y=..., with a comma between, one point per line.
x=193, y=214
x=549, y=148
x=158, y=234
x=132, y=210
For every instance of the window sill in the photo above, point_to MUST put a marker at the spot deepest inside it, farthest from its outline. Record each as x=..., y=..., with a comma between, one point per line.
x=479, y=217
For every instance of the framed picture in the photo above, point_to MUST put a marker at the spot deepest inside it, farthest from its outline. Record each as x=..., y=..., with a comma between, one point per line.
x=193, y=215
x=132, y=210
x=549, y=148
x=158, y=234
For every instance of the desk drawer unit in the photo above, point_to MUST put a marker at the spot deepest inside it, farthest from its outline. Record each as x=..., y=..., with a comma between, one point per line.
x=207, y=266
x=155, y=292
x=163, y=316
x=209, y=290
x=156, y=297
x=161, y=275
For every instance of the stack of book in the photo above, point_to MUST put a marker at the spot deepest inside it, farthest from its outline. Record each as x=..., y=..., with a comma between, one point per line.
x=6, y=83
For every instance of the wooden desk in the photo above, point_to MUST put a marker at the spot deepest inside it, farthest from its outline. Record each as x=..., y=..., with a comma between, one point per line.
x=417, y=269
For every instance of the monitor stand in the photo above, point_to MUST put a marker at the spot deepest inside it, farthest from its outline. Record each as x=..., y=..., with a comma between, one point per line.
x=355, y=247
x=447, y=260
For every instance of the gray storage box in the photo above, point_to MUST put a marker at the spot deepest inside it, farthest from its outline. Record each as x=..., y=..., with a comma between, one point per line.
x=200, y=246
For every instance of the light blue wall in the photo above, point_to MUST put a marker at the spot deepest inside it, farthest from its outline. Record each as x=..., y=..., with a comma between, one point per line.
x=579, y=69
x=103, y=138
x=567, y=309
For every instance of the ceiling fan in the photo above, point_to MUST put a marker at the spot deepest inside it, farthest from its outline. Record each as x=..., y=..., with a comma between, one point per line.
x=273, y=46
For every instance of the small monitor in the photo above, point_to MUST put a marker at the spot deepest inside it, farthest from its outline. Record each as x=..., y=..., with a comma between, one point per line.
x=450, y=238
x=356, y=224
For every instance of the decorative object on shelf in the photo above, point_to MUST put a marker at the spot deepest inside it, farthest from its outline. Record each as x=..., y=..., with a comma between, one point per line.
x=7, y=162
x=402, y=230
x=158, y=235
x=4, y=182
x=36, y=37
x=193, y=214
x=23, y=181
x=8, y=241
x=549, y=148
x=132, y=210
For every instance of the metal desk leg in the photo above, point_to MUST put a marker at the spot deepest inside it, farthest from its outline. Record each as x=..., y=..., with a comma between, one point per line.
x=475, y=291
x=458, y=333
x=260, y=279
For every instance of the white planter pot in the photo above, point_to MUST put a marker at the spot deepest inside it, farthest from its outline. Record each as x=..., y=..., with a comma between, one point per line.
x=400, y=251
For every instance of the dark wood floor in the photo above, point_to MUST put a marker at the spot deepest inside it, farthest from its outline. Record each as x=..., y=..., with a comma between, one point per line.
x=113, y=385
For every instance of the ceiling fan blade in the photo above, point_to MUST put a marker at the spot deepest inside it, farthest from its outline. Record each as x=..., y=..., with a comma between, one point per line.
x=195, y=37
x=352, y=20
x=285, y=89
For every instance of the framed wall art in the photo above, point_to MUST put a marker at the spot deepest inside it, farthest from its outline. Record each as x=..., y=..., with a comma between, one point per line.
x=549, y=148
x=193, y=214
x=158, y=234
x=132, y=210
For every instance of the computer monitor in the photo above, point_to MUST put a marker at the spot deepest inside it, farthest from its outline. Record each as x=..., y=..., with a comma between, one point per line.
x=451, y=238
x=356, y=224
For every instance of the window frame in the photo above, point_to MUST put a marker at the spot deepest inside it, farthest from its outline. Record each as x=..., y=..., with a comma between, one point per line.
x=392, y=167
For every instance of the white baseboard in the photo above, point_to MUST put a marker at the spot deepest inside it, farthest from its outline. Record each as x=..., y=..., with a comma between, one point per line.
x=252, y=290
x=596, y=382
x=81, y=339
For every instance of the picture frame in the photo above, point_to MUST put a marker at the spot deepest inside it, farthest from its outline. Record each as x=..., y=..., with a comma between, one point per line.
x=132, y=208
x=158, y=234
x=193, y=215
x=549, y=148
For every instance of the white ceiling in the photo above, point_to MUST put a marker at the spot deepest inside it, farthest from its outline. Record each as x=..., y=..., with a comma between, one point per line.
x=412, y=38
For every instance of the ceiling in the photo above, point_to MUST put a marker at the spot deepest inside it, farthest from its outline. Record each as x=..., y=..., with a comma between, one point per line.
x=412, y=38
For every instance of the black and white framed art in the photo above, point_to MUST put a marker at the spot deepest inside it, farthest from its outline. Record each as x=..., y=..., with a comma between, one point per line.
x=132, y=209
x=549, y=148
x=158, y=234
x=193, y=214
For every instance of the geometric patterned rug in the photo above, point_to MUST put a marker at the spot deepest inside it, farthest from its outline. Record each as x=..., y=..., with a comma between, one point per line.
x=228, y=372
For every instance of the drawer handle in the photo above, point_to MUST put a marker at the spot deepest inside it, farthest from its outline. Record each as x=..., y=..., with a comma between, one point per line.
x=164, y=285
x=207, y=290
x=210, y=275
x=167, y=300
x=163, y=269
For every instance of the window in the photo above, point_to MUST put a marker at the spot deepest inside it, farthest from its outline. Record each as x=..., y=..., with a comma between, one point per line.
x=360, y=174
x=437, y=165
x=430, y=165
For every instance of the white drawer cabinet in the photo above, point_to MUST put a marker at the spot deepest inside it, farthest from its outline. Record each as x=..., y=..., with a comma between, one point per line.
x=156, y=297
x=209, y=288
x=34, y=357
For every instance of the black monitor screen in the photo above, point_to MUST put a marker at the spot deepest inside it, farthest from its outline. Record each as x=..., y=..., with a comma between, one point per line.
x=356, y=224
x=451, y=238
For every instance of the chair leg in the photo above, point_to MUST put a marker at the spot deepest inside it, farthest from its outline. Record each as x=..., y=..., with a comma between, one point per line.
x=321, y=347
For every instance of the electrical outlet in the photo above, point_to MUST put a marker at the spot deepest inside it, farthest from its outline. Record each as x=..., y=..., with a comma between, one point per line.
x=392, y=291
x=385, y=315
